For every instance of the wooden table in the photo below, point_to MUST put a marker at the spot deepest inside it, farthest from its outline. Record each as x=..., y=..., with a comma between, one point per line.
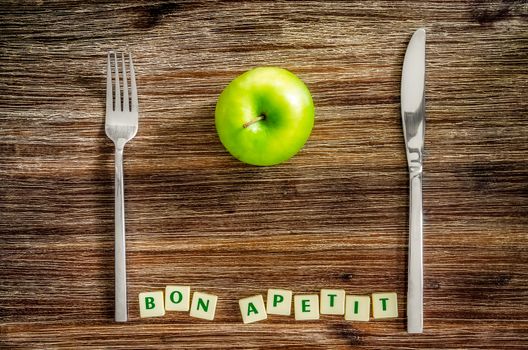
x=333, y=216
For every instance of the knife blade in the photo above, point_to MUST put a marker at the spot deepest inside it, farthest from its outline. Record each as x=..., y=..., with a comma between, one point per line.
x=413, y=121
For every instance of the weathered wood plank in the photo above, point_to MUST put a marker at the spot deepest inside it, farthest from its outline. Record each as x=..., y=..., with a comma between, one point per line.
x=335, y=215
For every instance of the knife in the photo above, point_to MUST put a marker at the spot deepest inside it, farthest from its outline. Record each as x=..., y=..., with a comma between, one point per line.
x=413, y=120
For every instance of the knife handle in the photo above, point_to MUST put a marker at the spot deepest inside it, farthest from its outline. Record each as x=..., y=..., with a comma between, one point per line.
x=415, y=272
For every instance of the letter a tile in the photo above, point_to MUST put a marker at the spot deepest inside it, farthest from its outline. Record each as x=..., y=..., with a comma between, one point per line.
x=252, y=309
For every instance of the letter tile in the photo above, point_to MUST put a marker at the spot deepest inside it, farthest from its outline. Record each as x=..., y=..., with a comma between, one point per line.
x=252, y=309
x=306, y=307
x=151, y=304
x=203, y=306
x=357, y=308
x=177, y=298
x=332, y=301
x=279, y=302
x=384, y=305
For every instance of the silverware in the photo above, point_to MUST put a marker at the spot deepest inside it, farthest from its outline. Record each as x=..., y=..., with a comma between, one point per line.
x=413, y=120
x=121, y=126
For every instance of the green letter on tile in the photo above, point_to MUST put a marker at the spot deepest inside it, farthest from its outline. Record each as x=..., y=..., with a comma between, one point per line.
x=252, y=308
x=305, y=305
x=180, y=297
x=332, y=296
x=277, y=298
x=205, y=306
x=384, y=303
x=149, y=303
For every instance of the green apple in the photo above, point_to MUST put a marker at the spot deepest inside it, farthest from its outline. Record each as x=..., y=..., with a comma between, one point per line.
x=264, y=116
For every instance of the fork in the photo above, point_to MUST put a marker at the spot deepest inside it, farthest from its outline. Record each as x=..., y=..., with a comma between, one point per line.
x=121, y=126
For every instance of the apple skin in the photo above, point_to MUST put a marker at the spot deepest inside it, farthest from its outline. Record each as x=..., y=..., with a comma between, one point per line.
x=278, y=96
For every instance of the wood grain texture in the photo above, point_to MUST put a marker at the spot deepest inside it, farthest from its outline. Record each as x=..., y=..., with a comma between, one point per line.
x=335, y=215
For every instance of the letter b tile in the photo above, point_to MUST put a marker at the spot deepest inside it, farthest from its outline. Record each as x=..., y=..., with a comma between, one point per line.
x=151, y=304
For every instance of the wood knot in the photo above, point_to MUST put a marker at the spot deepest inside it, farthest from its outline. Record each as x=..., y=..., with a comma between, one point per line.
x=348, y=333
x=486, y=13
x=151, y=16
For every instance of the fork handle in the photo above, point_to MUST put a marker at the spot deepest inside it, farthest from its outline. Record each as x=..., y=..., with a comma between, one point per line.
x=121, y=310
x=415, y=273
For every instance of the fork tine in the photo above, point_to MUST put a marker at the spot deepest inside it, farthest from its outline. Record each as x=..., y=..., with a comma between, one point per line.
x=125, y=85
x=133, y=88
x=109, y=99
x=117, y=87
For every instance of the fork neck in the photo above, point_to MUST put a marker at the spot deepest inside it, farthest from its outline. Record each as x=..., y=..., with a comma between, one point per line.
x=119, y=145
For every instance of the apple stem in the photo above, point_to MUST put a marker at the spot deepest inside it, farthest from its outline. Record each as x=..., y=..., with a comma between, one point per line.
x=257, y=119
